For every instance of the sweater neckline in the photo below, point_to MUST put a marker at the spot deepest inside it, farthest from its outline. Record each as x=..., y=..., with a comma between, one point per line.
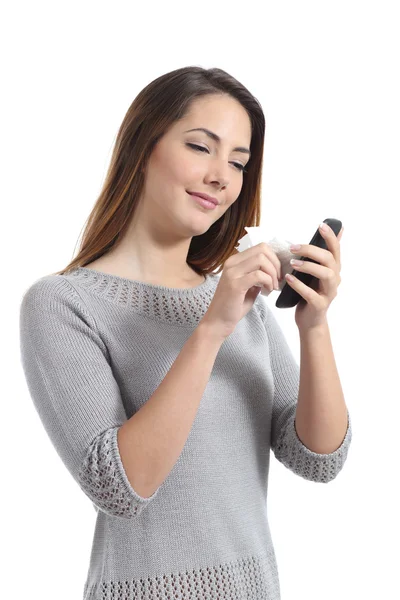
x=92, y=276
x=174, y=305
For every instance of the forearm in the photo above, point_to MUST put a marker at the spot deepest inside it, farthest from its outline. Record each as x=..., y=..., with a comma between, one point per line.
x=321, y=412
x=151, y=441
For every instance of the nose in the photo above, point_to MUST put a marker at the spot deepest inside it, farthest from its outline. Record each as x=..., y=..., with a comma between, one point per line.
x=219, y=180
x=219, y=172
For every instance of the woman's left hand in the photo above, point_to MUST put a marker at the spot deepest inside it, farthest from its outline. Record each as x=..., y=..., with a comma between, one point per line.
x=312, y=308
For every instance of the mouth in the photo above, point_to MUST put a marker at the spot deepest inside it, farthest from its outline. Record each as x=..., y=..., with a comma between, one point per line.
x=205, y=197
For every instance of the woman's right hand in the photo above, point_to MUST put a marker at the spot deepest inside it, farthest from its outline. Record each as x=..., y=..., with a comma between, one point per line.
x=239, y=285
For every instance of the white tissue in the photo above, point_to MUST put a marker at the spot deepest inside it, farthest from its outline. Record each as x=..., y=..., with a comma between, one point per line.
x=281, y=247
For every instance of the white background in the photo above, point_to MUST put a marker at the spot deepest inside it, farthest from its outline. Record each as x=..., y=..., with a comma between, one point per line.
x=327, y=77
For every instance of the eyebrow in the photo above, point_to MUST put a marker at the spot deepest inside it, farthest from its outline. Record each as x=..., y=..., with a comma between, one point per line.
x=216, y=138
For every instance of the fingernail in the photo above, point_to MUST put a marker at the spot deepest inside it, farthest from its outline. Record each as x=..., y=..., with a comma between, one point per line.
x=295, y=246
x=324, y=227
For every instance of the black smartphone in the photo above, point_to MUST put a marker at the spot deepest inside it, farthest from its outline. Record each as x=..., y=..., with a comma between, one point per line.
x=288, y=296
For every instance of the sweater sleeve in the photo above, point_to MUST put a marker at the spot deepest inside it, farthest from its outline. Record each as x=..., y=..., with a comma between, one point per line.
x=70, y=380
x=285, y=443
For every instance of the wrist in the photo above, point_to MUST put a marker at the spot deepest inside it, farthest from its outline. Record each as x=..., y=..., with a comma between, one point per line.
x=320, y=328
x=210, y=331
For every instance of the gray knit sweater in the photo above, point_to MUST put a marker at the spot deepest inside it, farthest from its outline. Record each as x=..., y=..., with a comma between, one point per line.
x=94, y=348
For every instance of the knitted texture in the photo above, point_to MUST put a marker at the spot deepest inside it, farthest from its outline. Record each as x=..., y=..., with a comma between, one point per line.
x=94, y=348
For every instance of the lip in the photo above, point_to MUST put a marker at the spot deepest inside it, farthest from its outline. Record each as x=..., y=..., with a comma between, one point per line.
x=205, y=196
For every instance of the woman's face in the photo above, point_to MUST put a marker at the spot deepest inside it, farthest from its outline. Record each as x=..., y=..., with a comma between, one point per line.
x=175, y=166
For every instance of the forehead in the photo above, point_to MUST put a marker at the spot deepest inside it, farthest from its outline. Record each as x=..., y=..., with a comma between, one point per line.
x=221, y=114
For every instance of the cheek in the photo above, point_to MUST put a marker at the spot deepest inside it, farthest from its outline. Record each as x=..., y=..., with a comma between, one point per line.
x=177, y=169
x=187, y=170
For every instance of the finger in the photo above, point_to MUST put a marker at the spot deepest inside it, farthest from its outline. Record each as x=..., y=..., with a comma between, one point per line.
x=265, y=249
x=321, y=255
x=324, y=278
x=333, y=243
x=273, y=258
x=319, y=271
x=304, y=290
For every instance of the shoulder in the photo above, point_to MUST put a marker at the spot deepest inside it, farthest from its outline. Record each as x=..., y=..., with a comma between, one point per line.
x=47, y=288
x=52, y=295
x=51, y=311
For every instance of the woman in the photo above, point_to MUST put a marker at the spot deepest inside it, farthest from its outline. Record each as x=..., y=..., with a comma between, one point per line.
x=162, y=386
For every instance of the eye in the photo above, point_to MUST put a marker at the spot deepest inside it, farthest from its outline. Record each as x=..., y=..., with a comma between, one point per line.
x=238, y=166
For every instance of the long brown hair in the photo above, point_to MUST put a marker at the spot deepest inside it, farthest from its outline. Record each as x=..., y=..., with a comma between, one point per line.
x=161, y=103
